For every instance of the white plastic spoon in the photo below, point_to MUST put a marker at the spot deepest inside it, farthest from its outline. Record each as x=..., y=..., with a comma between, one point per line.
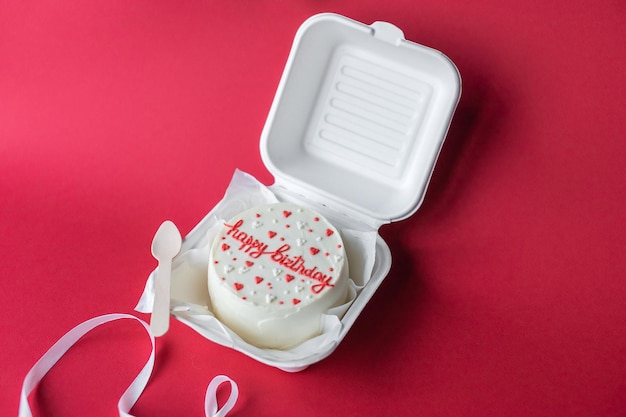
x=165, y=245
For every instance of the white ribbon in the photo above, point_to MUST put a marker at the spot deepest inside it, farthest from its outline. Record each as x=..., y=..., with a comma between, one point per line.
x=210, y=399
x=134, y=391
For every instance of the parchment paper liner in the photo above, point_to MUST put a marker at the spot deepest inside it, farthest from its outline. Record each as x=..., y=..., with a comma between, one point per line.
x=190, y=298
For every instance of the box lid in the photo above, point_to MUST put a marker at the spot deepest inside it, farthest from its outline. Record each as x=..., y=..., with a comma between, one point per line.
x=359, y=117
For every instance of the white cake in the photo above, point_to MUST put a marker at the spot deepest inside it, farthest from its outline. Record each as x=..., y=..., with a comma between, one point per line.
x=273, y=271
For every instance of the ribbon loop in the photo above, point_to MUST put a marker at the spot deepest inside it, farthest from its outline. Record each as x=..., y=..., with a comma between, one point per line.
x=210, y=399
x=56, y=352
x=134, y=390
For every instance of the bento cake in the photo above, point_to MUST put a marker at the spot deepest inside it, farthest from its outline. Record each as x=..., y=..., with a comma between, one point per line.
x=273, y=271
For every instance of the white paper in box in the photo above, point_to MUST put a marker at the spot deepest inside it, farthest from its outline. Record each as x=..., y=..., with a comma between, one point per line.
x=354, y=131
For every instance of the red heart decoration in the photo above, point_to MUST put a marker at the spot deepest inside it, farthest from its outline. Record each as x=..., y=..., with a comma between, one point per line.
x=329, y=232
x=225, y=247
x=295, y=301
x=271, y=234
x=286, y=213
x=314, y=251
x=258, y=279
x=289, y=277
x=238, y=286
x=249, y=263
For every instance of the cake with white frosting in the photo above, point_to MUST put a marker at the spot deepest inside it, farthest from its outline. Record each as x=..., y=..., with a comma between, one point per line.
x=273, y=271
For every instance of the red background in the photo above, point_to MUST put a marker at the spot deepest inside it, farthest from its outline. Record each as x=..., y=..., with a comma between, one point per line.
x=507, y=296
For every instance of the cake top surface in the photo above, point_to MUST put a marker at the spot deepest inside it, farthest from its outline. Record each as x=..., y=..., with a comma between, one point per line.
x=278, y=255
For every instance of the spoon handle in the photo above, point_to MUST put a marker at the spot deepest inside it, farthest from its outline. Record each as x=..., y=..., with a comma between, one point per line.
x=160, y=319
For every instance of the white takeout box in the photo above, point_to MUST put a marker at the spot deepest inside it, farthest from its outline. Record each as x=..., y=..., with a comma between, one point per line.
x=356, y=126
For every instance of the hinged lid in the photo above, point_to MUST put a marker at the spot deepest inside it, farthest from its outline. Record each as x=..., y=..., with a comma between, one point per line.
x=359, y=117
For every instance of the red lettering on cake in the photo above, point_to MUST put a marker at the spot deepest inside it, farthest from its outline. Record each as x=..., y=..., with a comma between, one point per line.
x=249, y=244
x=296, y=264
x=323, y=283
x=279, y=254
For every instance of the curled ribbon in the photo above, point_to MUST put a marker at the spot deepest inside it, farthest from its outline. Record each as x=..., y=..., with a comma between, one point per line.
x=135, y=389
x=210, y=399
